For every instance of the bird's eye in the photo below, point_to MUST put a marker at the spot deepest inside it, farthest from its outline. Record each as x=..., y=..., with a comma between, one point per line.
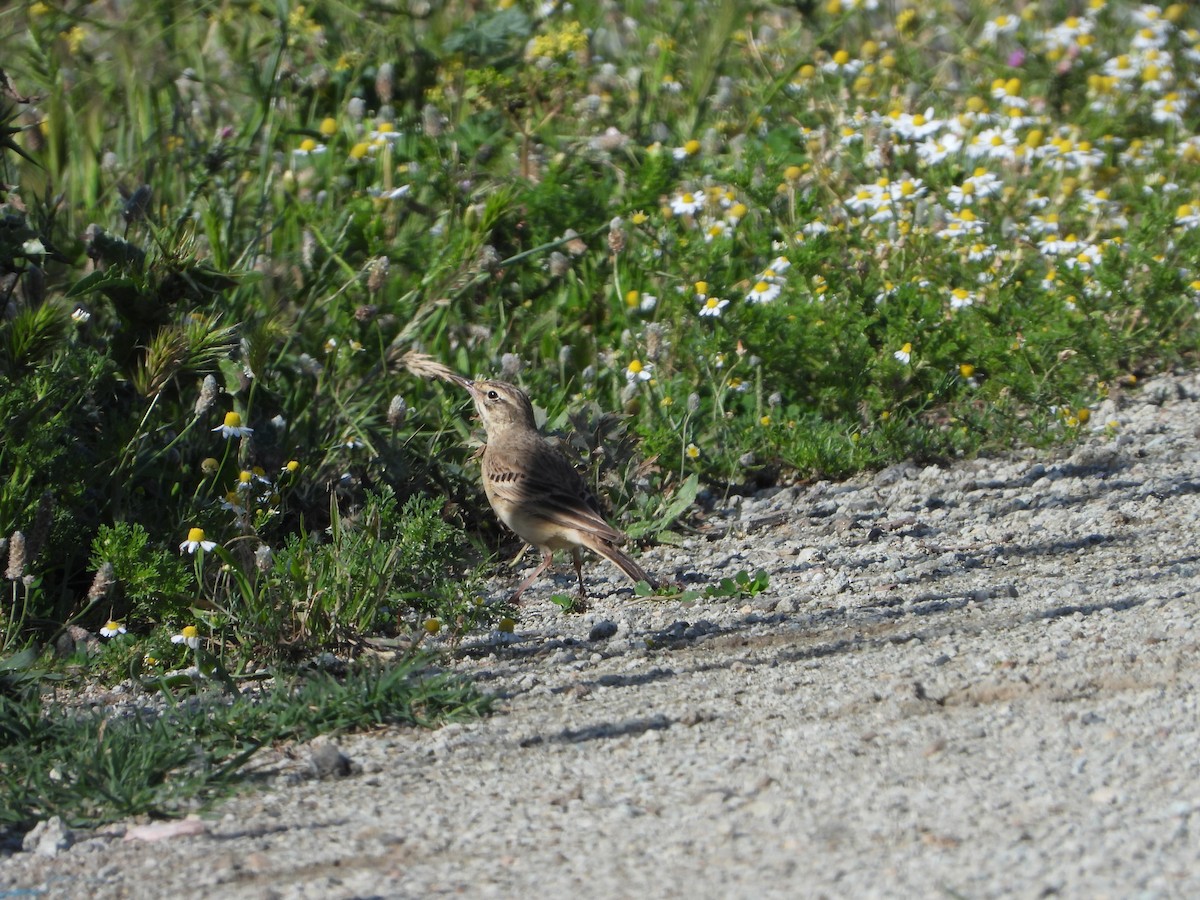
x=492, y=395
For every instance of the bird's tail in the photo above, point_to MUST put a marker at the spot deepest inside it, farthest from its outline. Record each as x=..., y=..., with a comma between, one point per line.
x=622, y=561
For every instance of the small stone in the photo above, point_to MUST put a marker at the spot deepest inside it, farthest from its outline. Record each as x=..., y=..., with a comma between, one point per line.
x=602, y=630
x=328, y=760
x=48, y=838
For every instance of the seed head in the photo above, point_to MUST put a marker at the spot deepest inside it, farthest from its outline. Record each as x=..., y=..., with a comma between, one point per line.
x=16, y=557
x=208, y=395
x=102, y=583
x=510, y=366
x=616, y=236
x=385, y=81
x=397, y=411
x=432, y=121
x=264, y=559
x=377, y=273
x=308, y=249
x=559, y=264
x=653, y=338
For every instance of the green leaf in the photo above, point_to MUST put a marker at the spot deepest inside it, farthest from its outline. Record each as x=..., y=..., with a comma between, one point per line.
x=487, y=37
x=88, y=283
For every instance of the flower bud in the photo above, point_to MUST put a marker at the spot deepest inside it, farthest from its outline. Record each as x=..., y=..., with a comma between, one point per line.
x=397, y=411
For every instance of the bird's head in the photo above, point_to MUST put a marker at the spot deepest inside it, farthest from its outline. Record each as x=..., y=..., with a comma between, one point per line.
x=501, y=405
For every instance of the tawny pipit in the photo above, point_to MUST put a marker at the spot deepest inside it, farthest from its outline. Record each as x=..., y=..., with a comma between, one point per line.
x=534, y=489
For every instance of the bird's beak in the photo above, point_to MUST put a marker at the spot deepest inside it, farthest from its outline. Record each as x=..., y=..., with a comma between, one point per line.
x=469, y=385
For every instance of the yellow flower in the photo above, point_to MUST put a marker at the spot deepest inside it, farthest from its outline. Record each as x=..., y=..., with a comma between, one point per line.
x=232, y=426
x=112, y=628
x=327, y=127
x=638, y=371
x=196, y=541
x=75, y=38
x=693, y=452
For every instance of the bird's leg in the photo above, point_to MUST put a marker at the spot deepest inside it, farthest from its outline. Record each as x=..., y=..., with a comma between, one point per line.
x=546, y=560
x=577, y=556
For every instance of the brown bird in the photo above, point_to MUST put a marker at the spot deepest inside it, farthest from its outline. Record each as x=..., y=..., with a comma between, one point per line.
x=535, y=490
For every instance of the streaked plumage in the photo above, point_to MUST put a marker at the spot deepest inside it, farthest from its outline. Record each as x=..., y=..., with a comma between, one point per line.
x=534, y=489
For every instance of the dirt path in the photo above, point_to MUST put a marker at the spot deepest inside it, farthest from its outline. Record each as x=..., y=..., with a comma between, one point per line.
x=972, y=681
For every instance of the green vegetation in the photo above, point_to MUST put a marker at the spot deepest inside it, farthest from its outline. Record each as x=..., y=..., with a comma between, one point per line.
x=91, y=767
x=719, y=242
x=776, y=240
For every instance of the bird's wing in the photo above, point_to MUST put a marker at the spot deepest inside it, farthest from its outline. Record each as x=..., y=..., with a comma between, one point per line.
x=550, y=489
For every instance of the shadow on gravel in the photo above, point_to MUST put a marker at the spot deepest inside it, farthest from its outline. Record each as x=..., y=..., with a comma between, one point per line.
x=1088, y=609
x=603, y=731
x=981, y=584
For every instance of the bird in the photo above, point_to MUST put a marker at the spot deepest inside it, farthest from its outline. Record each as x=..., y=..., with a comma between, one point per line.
x=535, y=490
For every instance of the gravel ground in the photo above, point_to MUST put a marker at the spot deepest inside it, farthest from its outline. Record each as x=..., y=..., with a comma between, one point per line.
x=972, y=681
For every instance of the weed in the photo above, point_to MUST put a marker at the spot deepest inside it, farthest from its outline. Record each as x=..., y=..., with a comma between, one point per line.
x=92, y=767
x=764, y=241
